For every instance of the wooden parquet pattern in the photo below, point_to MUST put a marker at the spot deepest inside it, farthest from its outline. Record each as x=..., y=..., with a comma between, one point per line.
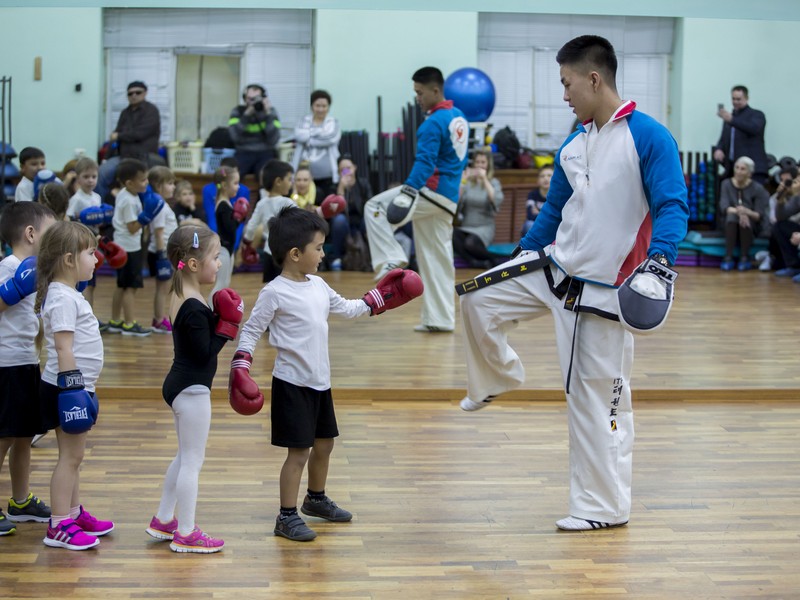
x=450, y=504
x=728, y=334
x=446, y=504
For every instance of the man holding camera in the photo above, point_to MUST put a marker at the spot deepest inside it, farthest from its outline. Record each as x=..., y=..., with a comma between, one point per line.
x=742, y=135
x=255, y=130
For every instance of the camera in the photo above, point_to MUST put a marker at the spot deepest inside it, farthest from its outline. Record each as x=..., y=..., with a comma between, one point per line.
x=259, y=105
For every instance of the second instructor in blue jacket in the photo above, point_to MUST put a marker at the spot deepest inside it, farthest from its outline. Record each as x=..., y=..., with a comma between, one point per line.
x=428, y=198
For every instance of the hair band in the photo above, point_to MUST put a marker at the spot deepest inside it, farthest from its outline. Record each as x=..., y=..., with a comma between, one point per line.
x=195, y=241
x=181, y=264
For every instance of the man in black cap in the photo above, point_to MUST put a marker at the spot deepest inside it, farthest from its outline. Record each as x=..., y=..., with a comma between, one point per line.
x=136, y=136
x=139, y=126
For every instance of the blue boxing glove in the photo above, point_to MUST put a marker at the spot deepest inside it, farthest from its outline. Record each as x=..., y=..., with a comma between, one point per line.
x=41, y=179
x=163, y=266
x=97, y=215
x=77, y=411
x=22, y=284
x=81, y=285
x=152, y=204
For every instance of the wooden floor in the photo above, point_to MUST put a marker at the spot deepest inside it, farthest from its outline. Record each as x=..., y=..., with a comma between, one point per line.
x=728, y=335
x=450, y=504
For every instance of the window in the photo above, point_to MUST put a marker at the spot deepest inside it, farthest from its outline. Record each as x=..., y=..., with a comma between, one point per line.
x=214, y=52
x=518, y=52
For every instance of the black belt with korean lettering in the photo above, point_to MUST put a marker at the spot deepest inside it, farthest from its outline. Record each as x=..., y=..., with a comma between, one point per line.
x=503, y=274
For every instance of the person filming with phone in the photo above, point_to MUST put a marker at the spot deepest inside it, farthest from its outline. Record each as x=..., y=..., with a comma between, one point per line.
x=742, y=135
x=255, y=130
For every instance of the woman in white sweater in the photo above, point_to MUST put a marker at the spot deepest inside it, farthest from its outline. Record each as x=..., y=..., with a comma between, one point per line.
x=317, y=142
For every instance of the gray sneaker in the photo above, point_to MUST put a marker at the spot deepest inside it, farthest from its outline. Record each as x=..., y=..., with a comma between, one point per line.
x=325, y=509
x=135, y=329
x=32, y=509
x=294, y=528
x=7, y=526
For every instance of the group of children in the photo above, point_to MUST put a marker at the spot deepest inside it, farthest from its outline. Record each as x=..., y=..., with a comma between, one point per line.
x=51, y=262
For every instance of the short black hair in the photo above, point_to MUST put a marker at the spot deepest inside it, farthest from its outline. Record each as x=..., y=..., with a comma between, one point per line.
x=274, y=169
x=428, y=76
x=29, y=153
x=317, y=94
x=254, y=86
x=736, y=88
x=16, y=216
x=129, y=168
x=229, y=161
x=591, y=51
x=293, y=228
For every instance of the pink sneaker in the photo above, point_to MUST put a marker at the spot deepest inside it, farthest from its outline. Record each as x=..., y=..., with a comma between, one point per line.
x=163, y=327
x=92, y=525
x=162, y=531
x=68, y=535
x=197, y=541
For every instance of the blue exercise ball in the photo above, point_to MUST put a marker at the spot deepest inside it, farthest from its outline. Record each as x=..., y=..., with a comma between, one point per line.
x=472, y=92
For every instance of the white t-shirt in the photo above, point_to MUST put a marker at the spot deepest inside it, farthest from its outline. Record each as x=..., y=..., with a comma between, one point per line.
x=297, y=316
x=266, y=208
x=81, y=201
x=65, y=309
x=18, y=324
x=126, y=210
x=166, y=219
x=24, y=191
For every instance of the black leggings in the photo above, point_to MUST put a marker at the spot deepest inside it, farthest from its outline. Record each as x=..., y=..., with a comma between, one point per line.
x=745, y=235
x=470, y=247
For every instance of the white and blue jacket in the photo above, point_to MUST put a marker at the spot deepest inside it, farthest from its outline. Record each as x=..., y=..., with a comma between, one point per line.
x=617, y=196
x=442, y=141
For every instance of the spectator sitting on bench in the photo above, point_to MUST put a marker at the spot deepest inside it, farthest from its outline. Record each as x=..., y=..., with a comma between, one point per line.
x=479, y=202
x=744, y=205
x=786, y=231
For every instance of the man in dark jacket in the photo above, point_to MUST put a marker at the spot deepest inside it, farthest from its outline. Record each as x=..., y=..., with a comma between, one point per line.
x=742, y=135
x=139, y=125
x=255, y=130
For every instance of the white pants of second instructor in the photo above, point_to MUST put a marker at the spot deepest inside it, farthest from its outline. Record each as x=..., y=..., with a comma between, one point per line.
x=600, y=415
x=433, y=240
x=224, y=274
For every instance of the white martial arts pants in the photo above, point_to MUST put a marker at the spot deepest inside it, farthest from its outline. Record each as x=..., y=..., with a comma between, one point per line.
x=600, y=415
x=433, y=240
x=224, y=274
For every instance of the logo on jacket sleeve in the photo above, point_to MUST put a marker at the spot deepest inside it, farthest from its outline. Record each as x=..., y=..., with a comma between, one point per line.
x=459, y=136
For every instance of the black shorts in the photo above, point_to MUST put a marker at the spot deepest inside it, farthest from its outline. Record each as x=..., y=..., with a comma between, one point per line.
x=130, y=275
x=48, y=403
x=300, y=415
x=20, y=415
x=151, y=263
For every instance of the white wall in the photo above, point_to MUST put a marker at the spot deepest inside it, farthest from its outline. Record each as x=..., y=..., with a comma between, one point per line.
x=360, y=55
x=50, y=114
x=718, y=54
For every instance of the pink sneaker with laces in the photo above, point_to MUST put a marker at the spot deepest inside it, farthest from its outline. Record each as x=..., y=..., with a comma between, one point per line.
x=162, y=531
x=197, y=541
x=68, y=535
x=163, y=327
x=93, y=525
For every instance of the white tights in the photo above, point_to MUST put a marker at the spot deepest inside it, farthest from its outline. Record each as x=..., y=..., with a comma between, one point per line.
x=192, y=410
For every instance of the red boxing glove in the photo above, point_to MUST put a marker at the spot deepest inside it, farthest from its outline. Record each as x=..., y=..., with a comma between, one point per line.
x=229, y=307
x=243, y=392
x=116, y=257
x=249, y=254
x=240, y=208
x=396, y=288
x=100, y=259
x=332, y=206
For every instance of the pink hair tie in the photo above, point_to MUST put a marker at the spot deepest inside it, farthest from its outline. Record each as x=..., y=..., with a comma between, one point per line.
x=181, y=264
